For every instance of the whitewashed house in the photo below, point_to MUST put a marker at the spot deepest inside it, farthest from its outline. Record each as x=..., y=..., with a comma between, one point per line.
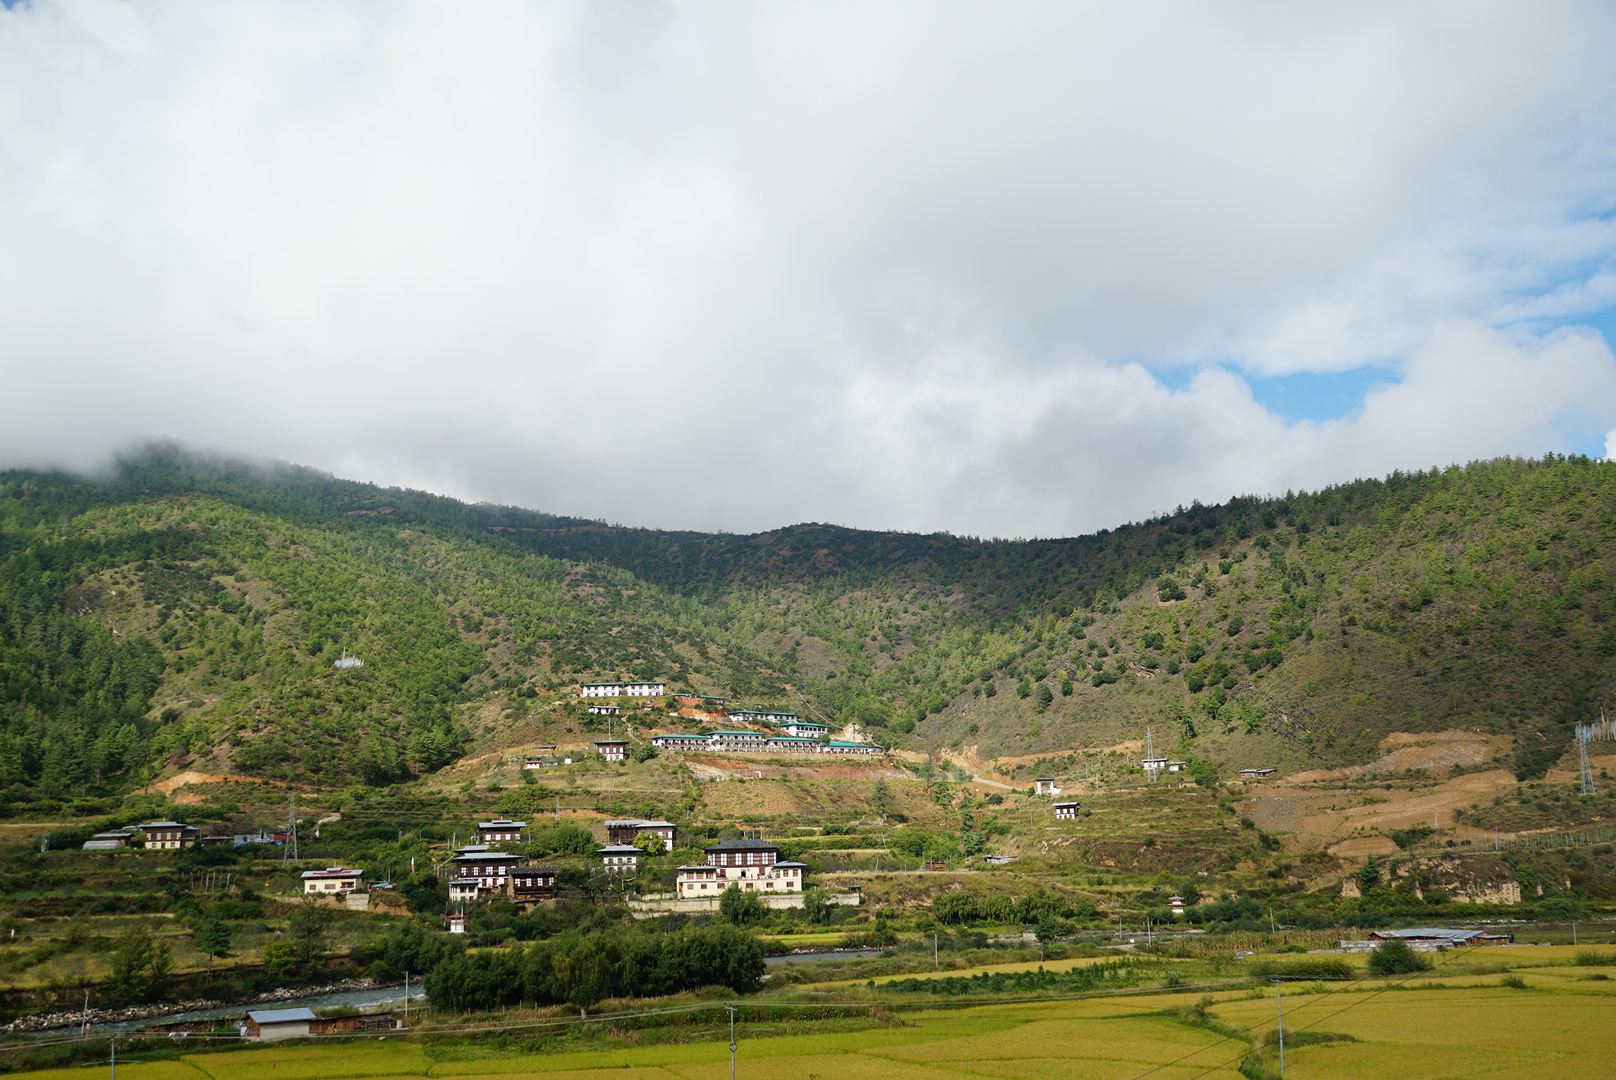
x=331, y=881
x=620, y=858
x=752, y=865
x=501, y=831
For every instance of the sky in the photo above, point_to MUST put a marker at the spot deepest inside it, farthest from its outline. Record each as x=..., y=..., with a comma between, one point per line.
x=999, y=268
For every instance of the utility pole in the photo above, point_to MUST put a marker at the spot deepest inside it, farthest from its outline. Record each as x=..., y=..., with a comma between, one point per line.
x=114, y=1059
x=936, y=961
x=406, y=998
x=731, y=1009
x=1279, y=996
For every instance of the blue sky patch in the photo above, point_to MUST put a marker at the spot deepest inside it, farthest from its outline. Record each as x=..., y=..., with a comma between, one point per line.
x=1311, y=396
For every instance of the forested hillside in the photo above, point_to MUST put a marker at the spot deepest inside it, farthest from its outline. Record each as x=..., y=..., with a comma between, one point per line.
x=187, y=605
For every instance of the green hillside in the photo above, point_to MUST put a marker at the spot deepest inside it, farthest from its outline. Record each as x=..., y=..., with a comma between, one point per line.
x=187, y=608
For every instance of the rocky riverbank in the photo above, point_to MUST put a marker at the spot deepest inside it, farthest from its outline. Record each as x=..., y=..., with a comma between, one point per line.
x=78, y=1017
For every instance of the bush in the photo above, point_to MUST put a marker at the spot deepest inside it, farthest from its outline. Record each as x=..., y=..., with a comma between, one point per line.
x=741, y=908
x=1594, y=958
x=1513, y=981
x=1561, y=909
x=1312, y=969
x=1395, y=957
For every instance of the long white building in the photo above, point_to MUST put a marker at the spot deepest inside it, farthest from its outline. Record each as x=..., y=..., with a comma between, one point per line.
x=757, y=742
x=623, y=689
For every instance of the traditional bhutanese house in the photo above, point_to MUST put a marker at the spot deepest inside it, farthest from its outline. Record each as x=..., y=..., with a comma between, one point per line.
x=277, y=1023
x=500, y=831
x=680, y=742
x=1176, y=903
x=619, y=858
x=604, y=710
x=331, y=880
x=1045, y=785
x=1177, y=766
x=613, y=749
x=1254, y=774
x=530, y=884
x=162, y=835
x=752, y=865
x=792, y=744
x=631, y=830
x=462, y=890
x=1066, y=811
x=623, y=689
x=737, y=741
x=109, y=841
x=836, y=747
x=1154, y=764
x=488, y=868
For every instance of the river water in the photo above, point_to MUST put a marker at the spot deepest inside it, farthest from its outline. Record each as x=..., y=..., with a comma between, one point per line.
x=380, y=998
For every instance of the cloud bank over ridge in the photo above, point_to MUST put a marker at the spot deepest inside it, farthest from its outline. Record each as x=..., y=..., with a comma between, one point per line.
x=998, y=269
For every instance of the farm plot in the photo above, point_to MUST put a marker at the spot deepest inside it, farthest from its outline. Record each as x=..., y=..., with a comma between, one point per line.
x=1556, y=1028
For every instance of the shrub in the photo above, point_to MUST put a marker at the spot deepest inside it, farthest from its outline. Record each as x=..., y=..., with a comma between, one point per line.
x=1594, y=958
x=1395, y=957
x=1513, y=981
x=1311, y=969
x=741, y=908
x=1561, y=909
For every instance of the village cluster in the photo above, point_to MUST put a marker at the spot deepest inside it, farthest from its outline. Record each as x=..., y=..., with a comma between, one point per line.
x=485, y=870
x=769, y=731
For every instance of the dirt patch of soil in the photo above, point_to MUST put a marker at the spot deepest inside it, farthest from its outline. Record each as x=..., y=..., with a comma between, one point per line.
x=1322, y=819
x=1363, y=847
x=194, y=778
x=1431, y=751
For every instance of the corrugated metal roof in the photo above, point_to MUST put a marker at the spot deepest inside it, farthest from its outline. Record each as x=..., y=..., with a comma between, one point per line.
x=279, y=1016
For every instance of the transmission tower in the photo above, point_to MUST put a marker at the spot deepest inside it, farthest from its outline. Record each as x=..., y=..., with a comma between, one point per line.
x=289, y=850
x=1586, y=733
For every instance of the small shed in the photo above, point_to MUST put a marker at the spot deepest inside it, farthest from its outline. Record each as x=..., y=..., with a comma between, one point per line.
x=277, y=1023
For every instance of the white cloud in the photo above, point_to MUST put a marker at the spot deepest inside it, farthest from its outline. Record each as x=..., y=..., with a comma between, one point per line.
x=742, y=264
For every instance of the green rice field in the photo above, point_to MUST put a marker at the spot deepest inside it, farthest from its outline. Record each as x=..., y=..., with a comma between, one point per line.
x=1558, y=1025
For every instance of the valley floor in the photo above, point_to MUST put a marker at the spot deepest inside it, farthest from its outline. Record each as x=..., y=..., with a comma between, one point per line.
x=1421, y=1028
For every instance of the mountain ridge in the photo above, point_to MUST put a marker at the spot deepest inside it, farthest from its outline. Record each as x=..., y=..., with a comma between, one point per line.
x=191, y=605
